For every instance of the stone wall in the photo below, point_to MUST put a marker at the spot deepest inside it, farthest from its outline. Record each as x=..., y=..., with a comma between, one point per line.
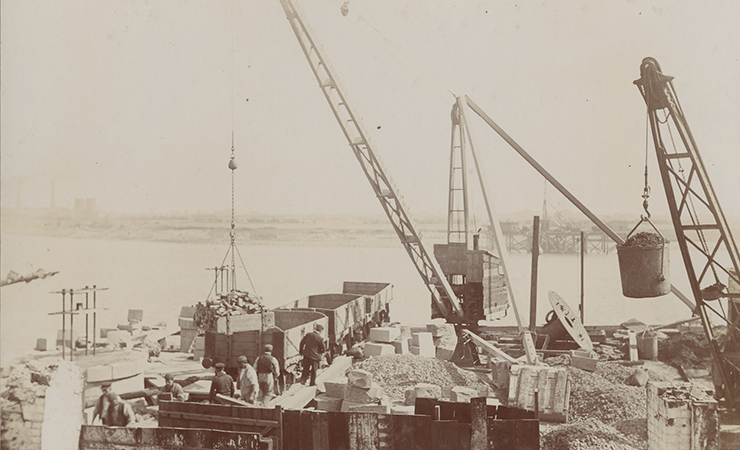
x=42, y=407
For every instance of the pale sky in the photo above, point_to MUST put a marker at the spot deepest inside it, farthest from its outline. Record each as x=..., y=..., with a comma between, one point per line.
x=130, y=101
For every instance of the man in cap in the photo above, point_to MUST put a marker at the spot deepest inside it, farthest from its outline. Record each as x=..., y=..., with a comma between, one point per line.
x=120, y=413
x=246, y=382
x=268, y=375
x=222, y=383
x=312, y=350
x=101, y=407
x=178, y=393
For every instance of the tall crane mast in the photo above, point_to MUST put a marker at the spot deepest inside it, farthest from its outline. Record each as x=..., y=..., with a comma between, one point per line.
x=385, y=190
x=702, y=231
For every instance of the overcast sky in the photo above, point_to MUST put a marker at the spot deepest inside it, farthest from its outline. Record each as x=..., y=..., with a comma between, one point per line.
x=130, y=101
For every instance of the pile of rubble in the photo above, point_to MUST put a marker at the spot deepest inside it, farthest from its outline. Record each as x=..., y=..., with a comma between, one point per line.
x=587, y=435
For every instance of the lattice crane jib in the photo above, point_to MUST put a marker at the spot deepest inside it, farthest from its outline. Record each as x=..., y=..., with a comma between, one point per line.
x=702, y=232
x=457, y=211
x=362, y=147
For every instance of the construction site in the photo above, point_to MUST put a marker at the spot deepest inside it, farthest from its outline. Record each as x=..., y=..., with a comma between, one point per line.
x=456, y=379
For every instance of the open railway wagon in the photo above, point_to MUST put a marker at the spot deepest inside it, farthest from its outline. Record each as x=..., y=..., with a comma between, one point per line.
x=351, y=314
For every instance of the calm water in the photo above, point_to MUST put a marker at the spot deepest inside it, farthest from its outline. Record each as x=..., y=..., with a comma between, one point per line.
x=161, y=277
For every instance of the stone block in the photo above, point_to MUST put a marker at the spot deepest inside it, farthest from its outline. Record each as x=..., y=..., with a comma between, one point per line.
x=200, y=343
x=358, y=395
x=135, y=315
x=33, y=412
x=425, y=343
x=123, y=369
x=483, y=391
x=405, y=332
x=347, y=405
x=447, y=391
x=119, y=338
x=327, y=403
x=384, y=334
x=45, y=344
x=371, y=408
x=463, y=394
x=99, y=373
x=401, y=346
x=444, y=353
x=186, y=323
x=409, y=397
x=421, y=351
x=360, y=378
x=500, y=372
x=336, y=388
x=374, y=349
x=405, y=410
x=427, y=390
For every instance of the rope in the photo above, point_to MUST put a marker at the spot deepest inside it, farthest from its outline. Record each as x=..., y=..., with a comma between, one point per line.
x=646, y=188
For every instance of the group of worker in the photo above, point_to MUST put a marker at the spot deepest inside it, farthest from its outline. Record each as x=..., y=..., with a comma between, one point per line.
x=256, y=384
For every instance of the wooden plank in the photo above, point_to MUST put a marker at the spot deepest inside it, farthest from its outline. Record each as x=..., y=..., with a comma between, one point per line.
x=297, y=399
x=514, y=434
x=450, y=435
x=306, y=431
x=338, y=431
x=320, y=425
x=457, y=411
x=488, y=347
x=542, y=391
x=363, y=431
x=513, y=384
x=292, y=430
x=524, y=396
x=213, y=419
x=479, y=424
x=560, y=387
x=425, y=406
x=411, y=432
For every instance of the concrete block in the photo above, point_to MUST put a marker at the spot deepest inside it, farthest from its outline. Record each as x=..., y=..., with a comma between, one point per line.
x=427, y=390
x=384, y=334
x=444, y=353
x=358, y=395
x=371, y=408
x=187, y=311
x=119, y=338
x=327, y=403
x=99, y=373
x=401, y=346
x=463, y=394
x=404, y=410
x=420, y=339
x=360, y=378
x=423, y=351
x=447, y=391
x=123, y=369
x=336, y=388
x=374, y=349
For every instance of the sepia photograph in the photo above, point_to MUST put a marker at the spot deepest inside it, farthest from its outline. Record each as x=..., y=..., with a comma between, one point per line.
x=363, y=224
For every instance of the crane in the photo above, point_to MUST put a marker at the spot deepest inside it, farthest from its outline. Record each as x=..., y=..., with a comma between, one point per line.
x=702, y=231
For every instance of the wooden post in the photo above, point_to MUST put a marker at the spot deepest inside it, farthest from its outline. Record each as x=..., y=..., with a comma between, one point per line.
x=583, y=260
x=533, y=286
x=64, y=322
x=478, y=424
x=279, y=416
x=71, y=325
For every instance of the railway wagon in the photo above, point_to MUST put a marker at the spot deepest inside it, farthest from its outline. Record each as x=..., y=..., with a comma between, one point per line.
x=345, y=314
x=284, y=330
x=377, y=297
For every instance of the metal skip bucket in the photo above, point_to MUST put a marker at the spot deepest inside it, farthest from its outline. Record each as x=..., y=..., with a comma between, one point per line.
x=644, y=265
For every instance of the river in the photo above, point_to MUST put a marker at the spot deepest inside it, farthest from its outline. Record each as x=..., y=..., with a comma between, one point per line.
x=159, y=278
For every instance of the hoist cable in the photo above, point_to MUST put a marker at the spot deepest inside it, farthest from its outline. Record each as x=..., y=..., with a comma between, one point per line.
x=646, y=188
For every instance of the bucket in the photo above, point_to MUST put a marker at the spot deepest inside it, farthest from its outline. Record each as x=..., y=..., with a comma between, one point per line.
x=647, y=345
x=644, y=264
x=553, y=328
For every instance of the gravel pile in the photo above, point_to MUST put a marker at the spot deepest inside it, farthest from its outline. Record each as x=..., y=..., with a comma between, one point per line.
x=594, y=396
x=588, y=435
x=396, y=373
x=690, y=350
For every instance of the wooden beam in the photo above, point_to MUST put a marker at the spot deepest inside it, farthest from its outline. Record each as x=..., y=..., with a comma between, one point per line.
x=488, y=347
x=223, y=419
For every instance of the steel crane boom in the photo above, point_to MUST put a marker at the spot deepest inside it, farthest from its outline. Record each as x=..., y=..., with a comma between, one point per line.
x=702, y=231
x=384, y=188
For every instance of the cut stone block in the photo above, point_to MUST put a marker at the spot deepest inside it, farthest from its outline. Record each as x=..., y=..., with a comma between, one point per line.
x=500, y=372
x=423, y=351
x=420, y=339
x=327, y=403
x=358, y=395
x=374, y=349
x=99, y=373
x=483, y=391
x=347, y=405
x=119, y=338
x=409, y=398
x=360, y=378
x=336, y=388
x=45, y=344
x=384, y=334
x=427, y=390
x=371, y=408
x=401, y=346
x=405, y=332
x=463, y=394
x=403, y=410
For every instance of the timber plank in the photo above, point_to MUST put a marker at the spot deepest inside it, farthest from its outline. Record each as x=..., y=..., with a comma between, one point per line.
x=292, y=430
x=306, y=430
x=514, y=434
x=560, y=387
x=524, y=395
x=450, y=435
x=363, y=431
x=411, y=432
x=320, y=427
x=338, y=431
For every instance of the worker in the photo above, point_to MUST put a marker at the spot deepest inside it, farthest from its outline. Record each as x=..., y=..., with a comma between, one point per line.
x=178, y=393
x=120, y=413
x=101, y=406
x=268, y=375
x=222, y=384
x=312, y=350
x=246, y=382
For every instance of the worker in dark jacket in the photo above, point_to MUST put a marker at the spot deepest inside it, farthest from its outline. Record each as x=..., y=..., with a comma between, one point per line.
x=312, y=350
x=268, y=375
x=178, y=393
x=119, y=413
x=101, y=406
x=222, y=384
